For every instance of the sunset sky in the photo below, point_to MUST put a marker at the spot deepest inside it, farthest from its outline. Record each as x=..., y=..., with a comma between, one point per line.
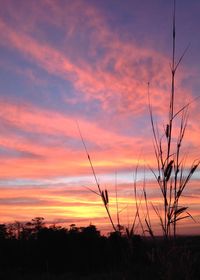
x=89, y=61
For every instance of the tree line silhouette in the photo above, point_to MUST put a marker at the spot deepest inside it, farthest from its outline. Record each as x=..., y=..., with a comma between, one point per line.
x=33, y=247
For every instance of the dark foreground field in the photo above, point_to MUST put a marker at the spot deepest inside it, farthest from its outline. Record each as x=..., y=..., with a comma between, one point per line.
x=82, y=253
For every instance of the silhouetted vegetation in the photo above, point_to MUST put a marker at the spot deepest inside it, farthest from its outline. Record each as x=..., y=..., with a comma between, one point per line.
x=34, y=251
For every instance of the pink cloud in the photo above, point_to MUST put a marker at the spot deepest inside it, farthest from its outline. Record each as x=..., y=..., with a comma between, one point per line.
x=131, y=66
x=53, y=153
x=55, y=156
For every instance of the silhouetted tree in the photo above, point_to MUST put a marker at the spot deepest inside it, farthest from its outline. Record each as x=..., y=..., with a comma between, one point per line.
x=38, y=223
x=3, y=232
x=90, y=231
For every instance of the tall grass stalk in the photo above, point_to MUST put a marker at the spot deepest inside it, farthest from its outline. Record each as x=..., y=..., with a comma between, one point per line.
x=117, y=227
x=171, y=169
x=102, y=193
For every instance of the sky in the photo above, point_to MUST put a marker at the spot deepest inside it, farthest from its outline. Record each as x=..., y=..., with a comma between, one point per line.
x=89, y=62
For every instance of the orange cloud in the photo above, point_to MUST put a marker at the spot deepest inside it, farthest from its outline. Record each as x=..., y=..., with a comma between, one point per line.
x=77, y=205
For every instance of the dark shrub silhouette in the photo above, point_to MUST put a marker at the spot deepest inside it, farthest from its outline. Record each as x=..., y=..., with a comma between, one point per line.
x=34, y=249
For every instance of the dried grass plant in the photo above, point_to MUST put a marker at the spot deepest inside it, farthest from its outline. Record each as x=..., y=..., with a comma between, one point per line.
x=171, y=173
